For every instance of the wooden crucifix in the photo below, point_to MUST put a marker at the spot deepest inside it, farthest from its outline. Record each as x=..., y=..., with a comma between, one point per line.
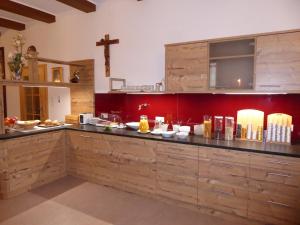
x=106, y=43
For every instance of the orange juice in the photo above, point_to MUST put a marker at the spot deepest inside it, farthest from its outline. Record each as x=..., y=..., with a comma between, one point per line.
x=144, y=125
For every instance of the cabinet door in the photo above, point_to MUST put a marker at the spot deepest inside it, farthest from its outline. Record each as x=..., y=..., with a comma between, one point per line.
x=33, y=161
x=90, y=157
x=278, y=62
x=3, y=165
x=187, y=67
x=223, y=181
x=274, y=189
x=1, y=111
x=137, y=163
x=177, y=166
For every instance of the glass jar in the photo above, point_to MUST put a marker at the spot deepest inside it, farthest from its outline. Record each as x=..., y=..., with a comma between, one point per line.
x=144, y=125
x=229, y=126
x=218, y=125
x=207, y=126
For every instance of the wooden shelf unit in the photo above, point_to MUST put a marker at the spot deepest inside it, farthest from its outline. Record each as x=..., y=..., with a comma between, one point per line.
x=37, y=84
x=232, y=57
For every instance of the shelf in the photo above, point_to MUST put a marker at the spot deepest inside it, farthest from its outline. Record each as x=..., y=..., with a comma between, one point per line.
x=59, y=62
x=138, y=92
x=232, y=57
x=37, y=84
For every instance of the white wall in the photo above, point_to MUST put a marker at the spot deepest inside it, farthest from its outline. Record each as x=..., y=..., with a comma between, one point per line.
x=144, y=27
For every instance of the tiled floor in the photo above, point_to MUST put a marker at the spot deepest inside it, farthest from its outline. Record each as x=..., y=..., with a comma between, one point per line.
x=70, y=201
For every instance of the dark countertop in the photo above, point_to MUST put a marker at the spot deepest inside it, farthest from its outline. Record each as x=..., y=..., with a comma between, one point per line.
x=247, y=146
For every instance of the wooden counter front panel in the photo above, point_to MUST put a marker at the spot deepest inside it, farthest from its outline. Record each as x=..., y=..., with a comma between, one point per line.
x=177, y=167
x=137, y=163
x=223, y=181
x=33, y=161
x=125, y=163
x=89, y=156
x=274, y=189
x=3, y=167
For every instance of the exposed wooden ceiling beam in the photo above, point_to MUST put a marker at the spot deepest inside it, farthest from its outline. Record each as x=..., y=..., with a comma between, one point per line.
x=26, y=11
x=11, y=24
x=82, y=5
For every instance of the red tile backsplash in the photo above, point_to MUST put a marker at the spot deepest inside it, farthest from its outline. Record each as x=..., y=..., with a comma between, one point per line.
x=191, y=107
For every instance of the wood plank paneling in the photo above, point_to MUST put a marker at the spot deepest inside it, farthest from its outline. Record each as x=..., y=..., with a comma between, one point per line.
x=32, y=161
x=223, y=181
x=177, y=167
x=187, y=67
x=1, y=110
x=277, y=62
x=82, y=96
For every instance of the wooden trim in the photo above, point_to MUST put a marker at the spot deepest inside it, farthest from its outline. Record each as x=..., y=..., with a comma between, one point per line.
x=231, y=38
x=12, y=24
x=38, y=84
x=232, y=57
x=59, y=62
x=4, y=88
x=82, y=5
x=26, y=11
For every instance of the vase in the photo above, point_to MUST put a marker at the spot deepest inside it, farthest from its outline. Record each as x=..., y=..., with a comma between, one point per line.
x=16, y=75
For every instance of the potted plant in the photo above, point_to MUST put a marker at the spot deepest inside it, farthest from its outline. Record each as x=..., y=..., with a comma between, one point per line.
x=16, y=60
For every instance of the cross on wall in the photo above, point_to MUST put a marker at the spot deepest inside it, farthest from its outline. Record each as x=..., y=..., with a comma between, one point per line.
x=106, y=42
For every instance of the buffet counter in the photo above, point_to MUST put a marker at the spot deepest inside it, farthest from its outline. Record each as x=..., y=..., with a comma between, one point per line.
x=238, y=145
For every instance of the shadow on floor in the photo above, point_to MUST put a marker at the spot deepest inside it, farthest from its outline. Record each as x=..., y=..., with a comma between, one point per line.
x=14, y=206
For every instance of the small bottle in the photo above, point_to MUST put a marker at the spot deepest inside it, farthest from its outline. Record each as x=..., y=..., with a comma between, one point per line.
x=229, y=125
x=283, y=131
x=254, y=134
x=269, y=132
x=278, y=131
x=289, y=134
x=207, y=126
x=260, y=133
x=274, y=132
x=238, y=131
x=218, y=125
x=244, y=133
x=249, y=131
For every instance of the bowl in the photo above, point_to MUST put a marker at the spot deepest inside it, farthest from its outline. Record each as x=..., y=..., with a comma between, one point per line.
x=185, y=129
x=168, y=134
x=133, y=125
x=182, y=135
x=28, y=124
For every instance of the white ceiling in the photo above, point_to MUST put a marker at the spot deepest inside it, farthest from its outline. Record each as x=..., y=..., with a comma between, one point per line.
x=51, y=6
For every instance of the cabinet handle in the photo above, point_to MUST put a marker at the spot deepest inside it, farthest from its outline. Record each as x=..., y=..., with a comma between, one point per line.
x=279, y=174
x=180, y=157
x=279, y=162
x=279, y=204
x=222, y=155
x=223, y=193
x=84, y=136
x=270, y=85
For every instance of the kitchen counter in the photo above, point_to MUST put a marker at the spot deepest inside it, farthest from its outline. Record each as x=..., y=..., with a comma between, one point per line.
x=247, y=146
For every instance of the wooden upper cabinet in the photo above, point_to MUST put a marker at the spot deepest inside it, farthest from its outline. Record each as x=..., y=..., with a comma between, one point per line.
x=278, y=62
x=187, y=67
